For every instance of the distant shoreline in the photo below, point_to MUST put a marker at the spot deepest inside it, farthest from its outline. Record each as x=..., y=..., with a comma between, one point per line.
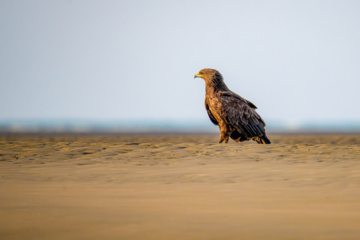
x=164, y=127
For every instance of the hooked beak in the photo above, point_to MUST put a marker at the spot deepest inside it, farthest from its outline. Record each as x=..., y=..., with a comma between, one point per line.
x=198, y=75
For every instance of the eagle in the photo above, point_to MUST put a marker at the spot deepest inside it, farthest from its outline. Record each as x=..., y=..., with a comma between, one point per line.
x=235, y=116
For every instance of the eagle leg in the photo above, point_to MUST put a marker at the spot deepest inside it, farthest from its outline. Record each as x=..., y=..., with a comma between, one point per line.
x=225, y=132
x=224, y=139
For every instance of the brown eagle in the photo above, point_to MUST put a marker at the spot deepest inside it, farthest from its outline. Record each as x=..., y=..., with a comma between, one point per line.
x=235, y=115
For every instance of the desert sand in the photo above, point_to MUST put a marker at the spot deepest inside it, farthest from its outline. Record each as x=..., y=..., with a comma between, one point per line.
x=179, y=187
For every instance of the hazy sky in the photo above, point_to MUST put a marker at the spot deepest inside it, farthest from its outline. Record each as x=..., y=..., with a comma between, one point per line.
x=121, y=60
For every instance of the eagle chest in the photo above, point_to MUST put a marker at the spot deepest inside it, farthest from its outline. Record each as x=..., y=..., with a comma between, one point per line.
x=215, y=107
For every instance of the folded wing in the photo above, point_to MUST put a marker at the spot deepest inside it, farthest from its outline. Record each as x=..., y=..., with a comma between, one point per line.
x=240, y=114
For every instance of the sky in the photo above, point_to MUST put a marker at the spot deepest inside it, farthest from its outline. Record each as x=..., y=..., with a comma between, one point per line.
x=135, y=60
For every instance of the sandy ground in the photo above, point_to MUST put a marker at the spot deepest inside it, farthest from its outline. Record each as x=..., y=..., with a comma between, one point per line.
x=180, y=187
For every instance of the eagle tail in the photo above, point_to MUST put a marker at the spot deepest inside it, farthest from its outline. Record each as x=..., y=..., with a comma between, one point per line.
x=263, y=140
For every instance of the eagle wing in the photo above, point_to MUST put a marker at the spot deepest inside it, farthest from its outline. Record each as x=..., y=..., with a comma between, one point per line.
x=240, y=114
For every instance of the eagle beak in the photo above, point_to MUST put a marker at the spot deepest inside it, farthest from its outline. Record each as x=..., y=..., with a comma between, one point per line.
x=198, y=75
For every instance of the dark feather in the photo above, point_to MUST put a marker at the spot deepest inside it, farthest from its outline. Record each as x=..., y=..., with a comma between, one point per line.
x=241, y=115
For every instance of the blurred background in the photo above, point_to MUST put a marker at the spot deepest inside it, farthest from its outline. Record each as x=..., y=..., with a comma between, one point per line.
x=130, y=65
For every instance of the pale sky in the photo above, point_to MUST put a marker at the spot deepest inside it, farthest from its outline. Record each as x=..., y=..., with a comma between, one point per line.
x=131, y=60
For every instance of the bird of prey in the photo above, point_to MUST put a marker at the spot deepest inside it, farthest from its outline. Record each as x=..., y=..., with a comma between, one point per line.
x=235, y=115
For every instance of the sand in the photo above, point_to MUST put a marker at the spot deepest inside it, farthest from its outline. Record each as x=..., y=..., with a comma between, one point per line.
x=180, y=187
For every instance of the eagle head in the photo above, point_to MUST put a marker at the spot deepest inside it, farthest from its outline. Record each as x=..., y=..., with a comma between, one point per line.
x=209, y=74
